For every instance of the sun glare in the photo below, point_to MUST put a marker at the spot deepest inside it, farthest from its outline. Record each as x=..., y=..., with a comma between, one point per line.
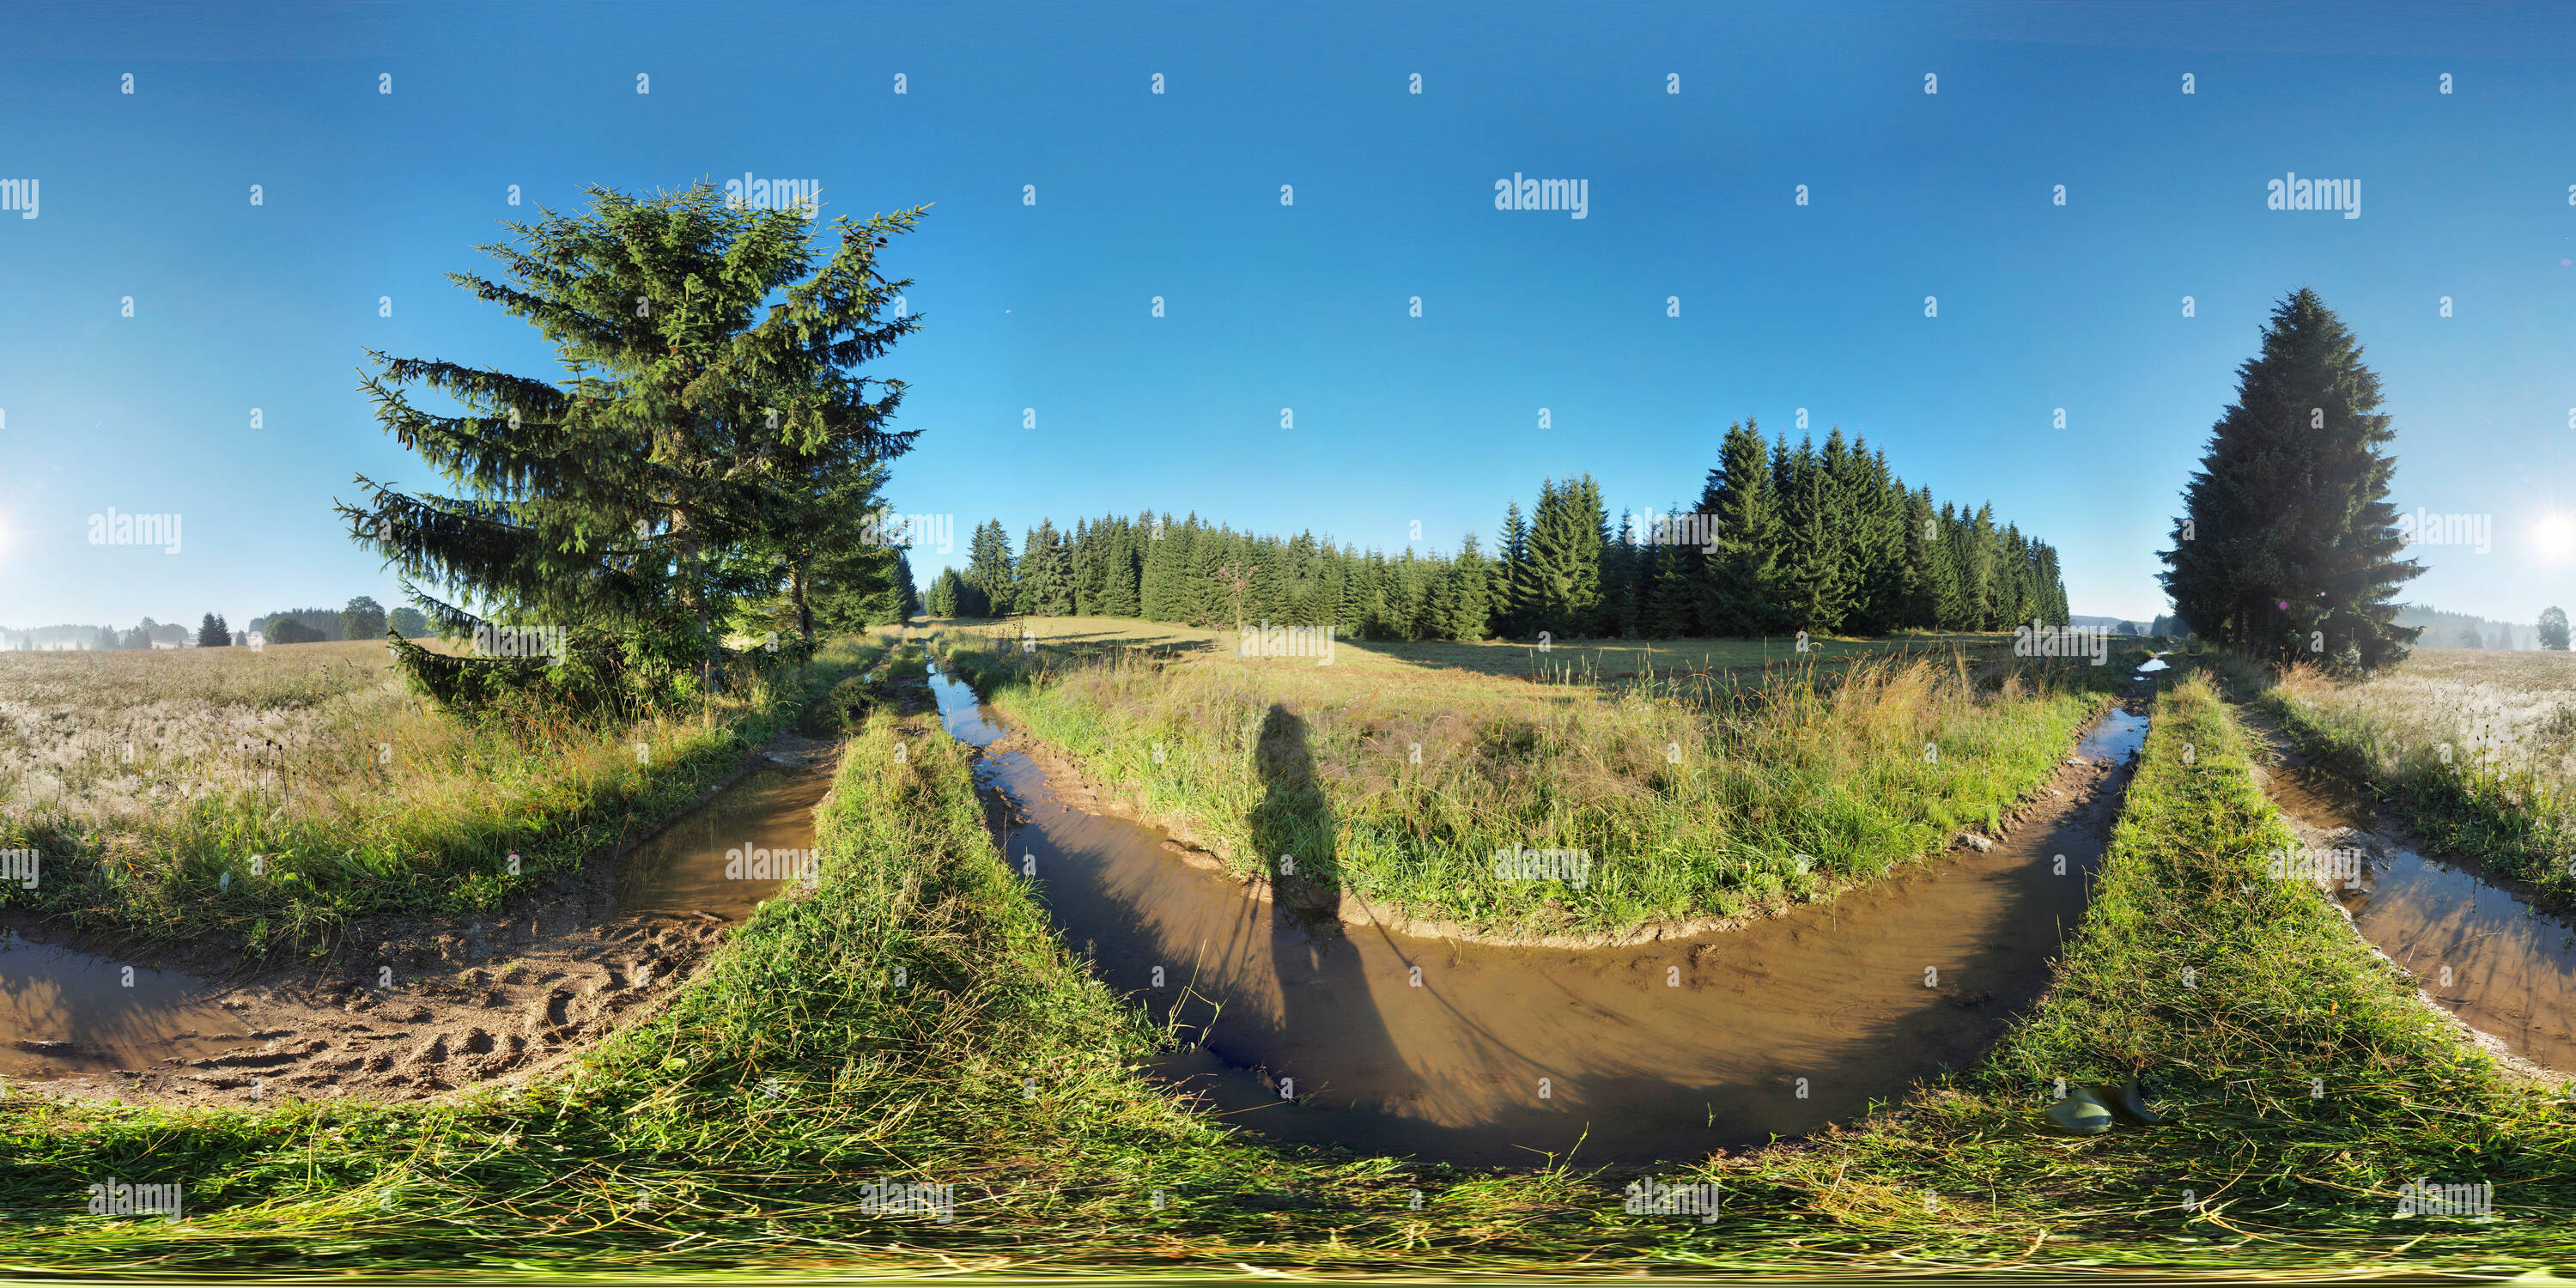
x=2555, y=536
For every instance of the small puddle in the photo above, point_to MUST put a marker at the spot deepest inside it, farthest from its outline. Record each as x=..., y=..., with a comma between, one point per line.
x=2482, y=953
x=744, y=845
x=1494, y=1055
x=2120, y=734
x=68, y=1014
x=2154, y=664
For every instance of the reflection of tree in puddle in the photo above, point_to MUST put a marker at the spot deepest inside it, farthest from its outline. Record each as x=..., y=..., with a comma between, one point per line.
x=65, y=1012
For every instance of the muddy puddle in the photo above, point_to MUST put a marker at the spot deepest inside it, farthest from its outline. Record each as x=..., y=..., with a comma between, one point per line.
x=554, y=977
x=1478, y=1054
x=67, y=1014
x=2478, y=951
x=745, y=845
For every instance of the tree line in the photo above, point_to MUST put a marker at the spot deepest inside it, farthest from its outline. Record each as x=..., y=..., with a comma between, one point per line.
x=1784, y=538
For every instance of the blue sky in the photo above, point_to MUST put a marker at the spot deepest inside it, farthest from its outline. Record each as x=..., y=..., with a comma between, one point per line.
x=1396, y=418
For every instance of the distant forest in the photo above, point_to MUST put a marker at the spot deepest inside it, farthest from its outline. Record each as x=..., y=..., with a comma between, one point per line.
x=1783, y=539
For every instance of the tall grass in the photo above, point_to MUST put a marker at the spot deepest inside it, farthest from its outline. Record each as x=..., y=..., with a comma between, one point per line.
x=1692, y=799
x=149, y=781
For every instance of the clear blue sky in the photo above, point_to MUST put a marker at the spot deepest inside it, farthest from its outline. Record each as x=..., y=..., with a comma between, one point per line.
x=1397, y=419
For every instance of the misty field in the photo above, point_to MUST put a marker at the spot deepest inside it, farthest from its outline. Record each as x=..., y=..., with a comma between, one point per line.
x=147, y=780
x=2508, y=712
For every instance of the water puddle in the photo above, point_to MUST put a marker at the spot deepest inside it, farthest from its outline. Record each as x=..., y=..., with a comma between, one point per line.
x=68, y=1014
x=2153, y=665
x=1492, y=1055
x=744, y=845
x=2483, y=954
x=2120, y=735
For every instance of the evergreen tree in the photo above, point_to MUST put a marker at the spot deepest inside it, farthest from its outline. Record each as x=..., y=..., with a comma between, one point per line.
x=1468, y=610
x=1622, y=567
x=1738, y=586
x=212, y=633
x=1565, y=546
x=907, y=596
x=623, y=501
x=2287, y=545
x=1818, y=581
x=946, y=591
x=1046, y=573
x=1513, y=603
x=988, y=576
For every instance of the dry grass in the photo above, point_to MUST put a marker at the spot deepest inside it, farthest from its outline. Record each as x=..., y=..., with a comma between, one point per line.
x=2507, y=712
x=148, y=780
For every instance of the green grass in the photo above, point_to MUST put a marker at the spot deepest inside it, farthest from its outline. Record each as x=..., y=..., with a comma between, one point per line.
x=1692, y=799
x=357, y=800
x=2243, y=990
x=1004, y=1070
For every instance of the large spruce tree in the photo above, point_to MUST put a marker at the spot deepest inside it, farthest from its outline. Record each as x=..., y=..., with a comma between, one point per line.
x=2287, y=546
x=710, y=379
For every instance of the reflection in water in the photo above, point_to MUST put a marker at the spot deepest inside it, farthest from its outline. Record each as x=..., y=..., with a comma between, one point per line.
x=2482, y=953
x=66, y=1013
x=1477, y=1054
x=762, y=827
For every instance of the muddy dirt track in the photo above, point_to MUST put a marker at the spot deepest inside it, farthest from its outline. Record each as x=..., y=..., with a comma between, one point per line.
x=408, y=1008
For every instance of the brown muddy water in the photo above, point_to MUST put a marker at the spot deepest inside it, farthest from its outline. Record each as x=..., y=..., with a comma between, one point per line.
x=1313, y=1030
x=65, y=1013
x=744, y=845
x=71, y=1014
x=2476, y=949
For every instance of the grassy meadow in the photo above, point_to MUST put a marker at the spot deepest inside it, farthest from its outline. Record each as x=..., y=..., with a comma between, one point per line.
x=736, y=1129
x=2475, y=748
x=1702, y=780
x=147, y=780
